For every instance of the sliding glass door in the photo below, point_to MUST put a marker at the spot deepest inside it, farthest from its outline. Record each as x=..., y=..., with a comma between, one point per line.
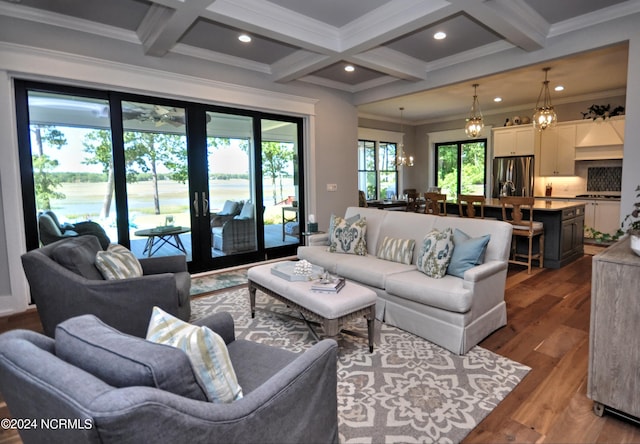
x=220, y=186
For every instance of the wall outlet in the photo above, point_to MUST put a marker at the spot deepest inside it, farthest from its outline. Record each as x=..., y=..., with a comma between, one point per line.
x=332, y=187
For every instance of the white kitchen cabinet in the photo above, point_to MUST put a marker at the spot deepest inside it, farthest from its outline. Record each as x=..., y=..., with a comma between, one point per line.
x=600, y=139
x=556, y=153
x=602, y=216
x=513, y=141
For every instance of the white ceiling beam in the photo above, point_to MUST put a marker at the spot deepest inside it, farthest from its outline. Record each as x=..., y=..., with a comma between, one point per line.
x=516, y=21
x=391, y=62
x=392, y=20
x=275, y=22
x=162, y=27
x=300, y=64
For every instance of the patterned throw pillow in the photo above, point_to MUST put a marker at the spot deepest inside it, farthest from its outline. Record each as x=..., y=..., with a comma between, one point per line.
x=435, y=253
x=396, y=250
x=118, y=263
x=206, y=350
x=348, y=237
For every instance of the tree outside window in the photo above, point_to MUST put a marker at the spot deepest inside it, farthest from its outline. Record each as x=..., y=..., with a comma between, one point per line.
x=461, y=168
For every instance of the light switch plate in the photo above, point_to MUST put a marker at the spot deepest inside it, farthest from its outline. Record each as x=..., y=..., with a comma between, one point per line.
x=332, y=187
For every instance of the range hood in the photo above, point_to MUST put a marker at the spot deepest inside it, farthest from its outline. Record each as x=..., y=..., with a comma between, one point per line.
x=600, y=140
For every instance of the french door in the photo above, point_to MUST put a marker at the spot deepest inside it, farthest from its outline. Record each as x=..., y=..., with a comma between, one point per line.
x=159, y=175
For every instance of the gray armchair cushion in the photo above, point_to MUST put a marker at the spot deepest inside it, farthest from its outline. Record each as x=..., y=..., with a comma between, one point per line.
x=79, y=255
x=122, y=360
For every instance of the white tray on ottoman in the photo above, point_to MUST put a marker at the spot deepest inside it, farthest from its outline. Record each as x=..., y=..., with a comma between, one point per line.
x=332, y=310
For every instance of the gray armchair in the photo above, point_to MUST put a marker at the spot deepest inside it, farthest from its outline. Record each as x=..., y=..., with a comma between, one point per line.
x=65, y=283
x=288, y=397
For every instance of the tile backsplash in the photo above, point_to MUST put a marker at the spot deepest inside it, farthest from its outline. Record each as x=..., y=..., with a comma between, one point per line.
x=604, y=179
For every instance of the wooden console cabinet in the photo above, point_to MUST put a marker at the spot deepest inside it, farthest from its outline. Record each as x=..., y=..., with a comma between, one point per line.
x=614, y=351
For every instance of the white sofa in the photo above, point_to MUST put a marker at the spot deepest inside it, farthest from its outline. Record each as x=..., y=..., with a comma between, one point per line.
x=452, y=312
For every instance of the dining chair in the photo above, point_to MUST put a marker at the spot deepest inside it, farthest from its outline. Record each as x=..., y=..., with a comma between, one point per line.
x=435, y=203
x=523, y=227
x=468, y=204
x=412, y=201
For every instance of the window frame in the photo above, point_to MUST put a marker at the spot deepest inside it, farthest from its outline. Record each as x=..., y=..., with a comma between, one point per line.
x=459, y=144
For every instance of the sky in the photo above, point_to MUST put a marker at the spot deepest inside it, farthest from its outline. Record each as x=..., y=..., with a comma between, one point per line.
x=222, y=160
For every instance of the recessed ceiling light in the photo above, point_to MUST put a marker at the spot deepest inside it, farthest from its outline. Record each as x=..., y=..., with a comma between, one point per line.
x=349, y=68
x=497, y=99
x=559, y=88
x=439, y=35
x=244, y=38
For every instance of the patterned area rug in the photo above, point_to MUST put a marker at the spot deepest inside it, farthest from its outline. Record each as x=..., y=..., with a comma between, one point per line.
x=408, y=390
x=217, y=281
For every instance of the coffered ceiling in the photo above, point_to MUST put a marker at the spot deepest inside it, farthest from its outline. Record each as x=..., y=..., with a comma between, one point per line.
x=389, y=43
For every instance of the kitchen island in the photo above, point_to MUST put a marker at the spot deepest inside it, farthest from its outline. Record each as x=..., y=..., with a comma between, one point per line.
x=563, y=228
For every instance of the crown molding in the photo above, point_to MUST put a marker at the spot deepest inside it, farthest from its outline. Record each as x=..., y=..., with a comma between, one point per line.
x=23, y=61
x=594, y=18
x=67, y=22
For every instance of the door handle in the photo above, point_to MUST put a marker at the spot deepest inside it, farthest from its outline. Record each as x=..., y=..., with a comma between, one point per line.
x=205, y=204
x=195, y=204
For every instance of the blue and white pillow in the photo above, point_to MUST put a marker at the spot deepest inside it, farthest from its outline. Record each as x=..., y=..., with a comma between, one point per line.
x=206, y=350
x=348, y=237
x=435, y=253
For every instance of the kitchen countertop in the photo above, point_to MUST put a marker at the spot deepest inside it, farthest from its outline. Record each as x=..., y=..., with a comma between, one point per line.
x=614, y=199
x=541, y=204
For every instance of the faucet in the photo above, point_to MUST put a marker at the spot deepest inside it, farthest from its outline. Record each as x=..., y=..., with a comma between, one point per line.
x=508, y=188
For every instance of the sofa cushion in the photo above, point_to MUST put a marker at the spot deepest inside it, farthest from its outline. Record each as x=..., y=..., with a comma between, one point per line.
x=206, y=350
x=78, y=254
x=467, y=252
x=448, y=293
x=349, y=237
x=396, y=250
x=435, y=253
x=118, y=263
x=123, y=360
x=368, y=270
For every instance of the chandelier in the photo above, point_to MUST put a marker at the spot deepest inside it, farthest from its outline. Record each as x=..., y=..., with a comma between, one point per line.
x=545, y=116
x=474, y=124
x=401, y=158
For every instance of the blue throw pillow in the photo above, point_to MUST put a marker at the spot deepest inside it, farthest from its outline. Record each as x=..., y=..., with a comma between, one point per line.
x=467, y=252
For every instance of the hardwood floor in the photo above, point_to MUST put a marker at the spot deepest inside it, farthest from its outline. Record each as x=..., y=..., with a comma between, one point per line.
x=548, y=330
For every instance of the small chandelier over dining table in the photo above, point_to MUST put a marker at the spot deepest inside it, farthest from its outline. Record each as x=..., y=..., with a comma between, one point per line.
x=545, y=115
x=475, y=123
x=401, y=158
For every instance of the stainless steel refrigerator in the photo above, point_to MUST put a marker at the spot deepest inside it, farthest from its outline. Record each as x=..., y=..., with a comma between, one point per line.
x=512, y=176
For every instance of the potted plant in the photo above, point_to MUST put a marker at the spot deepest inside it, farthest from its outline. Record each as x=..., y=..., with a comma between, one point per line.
x=631, y=224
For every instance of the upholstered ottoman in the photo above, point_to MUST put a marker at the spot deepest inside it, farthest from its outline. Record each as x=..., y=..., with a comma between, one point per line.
x=331, y=310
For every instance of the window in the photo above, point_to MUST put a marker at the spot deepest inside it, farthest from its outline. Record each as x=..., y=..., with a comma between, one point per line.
x=461, y=168
x=143, y=166
x=377, y=172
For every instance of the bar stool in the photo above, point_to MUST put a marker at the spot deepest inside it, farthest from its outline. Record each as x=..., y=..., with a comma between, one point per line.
x=523, y=228
x=436, y=204
x=468, y=203
x=412, y=201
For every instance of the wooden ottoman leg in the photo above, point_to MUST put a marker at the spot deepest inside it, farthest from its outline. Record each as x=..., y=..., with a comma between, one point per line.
x=252, y=299
x=371, y=322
